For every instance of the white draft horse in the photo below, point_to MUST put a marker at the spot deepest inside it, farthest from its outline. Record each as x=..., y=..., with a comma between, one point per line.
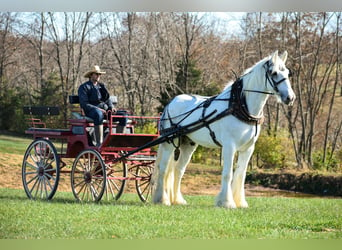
x=237, y=113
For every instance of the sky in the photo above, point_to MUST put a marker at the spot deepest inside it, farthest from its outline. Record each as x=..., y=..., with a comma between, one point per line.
x=174, y=5
x=230, y=21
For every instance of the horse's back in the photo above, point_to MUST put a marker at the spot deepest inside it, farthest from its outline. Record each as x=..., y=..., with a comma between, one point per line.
x=184, y=102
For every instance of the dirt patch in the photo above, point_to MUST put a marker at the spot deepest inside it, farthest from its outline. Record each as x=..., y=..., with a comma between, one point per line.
x=198, y=181
x=10, y=173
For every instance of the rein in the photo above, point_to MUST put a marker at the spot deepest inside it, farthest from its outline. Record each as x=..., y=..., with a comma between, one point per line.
x=258, y=91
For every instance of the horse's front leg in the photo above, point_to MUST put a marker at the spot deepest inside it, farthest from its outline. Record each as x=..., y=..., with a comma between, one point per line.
x=225, y=197
x=240, y=176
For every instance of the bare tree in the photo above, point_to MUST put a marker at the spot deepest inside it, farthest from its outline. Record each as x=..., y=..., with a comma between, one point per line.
x=67, y=38
x=8, y=46
x=331, y=117
x=314, y=63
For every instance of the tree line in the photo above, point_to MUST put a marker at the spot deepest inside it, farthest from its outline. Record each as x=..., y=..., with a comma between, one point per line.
x=151, y=57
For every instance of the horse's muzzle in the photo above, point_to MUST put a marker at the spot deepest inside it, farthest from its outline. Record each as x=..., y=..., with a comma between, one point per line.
x=289, y=100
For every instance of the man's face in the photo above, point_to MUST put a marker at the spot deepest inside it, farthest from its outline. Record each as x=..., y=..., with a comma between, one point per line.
x=95, y=77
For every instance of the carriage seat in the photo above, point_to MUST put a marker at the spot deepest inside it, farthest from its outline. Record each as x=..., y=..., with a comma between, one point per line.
x=39, y=111
x=78, y=115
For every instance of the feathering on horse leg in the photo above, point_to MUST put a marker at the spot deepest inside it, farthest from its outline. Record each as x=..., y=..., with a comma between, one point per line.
x=161, y=194
x=186, y=151
x=240, y=176
x=225, y=197
x=169, y=180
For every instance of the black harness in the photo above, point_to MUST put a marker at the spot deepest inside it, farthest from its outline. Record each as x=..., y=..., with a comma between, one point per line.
x=237, y=107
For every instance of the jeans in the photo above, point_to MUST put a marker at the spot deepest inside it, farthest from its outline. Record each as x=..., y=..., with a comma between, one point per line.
x=98, y=116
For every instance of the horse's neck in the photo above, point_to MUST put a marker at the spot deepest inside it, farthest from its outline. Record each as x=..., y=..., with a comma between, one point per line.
x=255, y=101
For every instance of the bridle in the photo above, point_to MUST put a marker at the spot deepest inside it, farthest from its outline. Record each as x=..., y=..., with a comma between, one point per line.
x=269, y=79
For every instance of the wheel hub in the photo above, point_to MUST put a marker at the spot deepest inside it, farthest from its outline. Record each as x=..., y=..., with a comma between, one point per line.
x=87, y=177
x=41, y=171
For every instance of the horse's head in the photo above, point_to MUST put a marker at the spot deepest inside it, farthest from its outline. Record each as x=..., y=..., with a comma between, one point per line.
x=277, y=78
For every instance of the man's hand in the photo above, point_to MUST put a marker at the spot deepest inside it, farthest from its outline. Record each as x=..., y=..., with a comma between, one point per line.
x=102, y=110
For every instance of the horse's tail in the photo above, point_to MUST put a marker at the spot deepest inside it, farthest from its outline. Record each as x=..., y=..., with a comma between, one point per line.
x=164, y=118
x=156, y=164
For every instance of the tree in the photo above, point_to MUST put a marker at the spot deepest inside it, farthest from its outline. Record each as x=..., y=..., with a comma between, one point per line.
x=67, y=57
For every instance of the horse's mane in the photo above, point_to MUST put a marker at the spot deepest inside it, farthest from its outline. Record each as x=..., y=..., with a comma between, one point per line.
x=248, y=71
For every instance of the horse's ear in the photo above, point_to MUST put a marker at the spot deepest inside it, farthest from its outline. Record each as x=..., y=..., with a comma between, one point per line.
x=284, y=56
x=275, y=56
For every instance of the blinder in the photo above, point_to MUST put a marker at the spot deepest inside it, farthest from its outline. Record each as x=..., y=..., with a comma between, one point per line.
x=268, y=77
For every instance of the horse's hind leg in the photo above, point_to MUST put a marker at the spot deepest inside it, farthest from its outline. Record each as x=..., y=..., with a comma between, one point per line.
x=187, y=148
x=240, y=176
x=163, y=191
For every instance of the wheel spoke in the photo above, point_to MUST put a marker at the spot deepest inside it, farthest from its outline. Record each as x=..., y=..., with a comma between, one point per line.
x=113, y=183
x=48, y=182
x=144, y=182
x=34, y=178
x=45, y=180
x=93, y=192
x=109, y=186
x=30, y=165
x=29, y=173
x=38, y=187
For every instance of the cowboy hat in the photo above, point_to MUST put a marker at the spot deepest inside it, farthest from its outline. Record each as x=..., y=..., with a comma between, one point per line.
x=96, y=69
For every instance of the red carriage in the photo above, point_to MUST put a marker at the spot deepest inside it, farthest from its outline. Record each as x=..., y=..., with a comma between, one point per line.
x=95, y=171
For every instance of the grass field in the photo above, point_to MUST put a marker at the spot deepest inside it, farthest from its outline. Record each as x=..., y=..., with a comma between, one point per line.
x=128, y=218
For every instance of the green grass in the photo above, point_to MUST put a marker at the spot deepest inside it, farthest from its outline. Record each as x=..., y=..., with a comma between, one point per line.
x=128, y=218
x=14, y=145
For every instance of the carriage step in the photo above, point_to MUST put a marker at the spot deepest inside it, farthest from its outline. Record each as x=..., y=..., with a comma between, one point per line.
x=144, y=158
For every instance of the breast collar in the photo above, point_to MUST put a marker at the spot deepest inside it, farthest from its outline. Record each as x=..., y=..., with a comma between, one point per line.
x=239, y=107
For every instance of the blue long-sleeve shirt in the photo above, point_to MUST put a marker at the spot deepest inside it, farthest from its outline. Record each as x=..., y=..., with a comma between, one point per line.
x=91, y=96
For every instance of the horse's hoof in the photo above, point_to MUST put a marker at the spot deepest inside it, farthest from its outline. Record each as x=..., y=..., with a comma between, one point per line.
x=161, y=201
x=180, y=202
x=242, y=204
x=225, y=204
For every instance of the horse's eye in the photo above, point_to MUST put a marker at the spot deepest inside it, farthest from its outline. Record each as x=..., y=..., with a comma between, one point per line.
x=290, y=73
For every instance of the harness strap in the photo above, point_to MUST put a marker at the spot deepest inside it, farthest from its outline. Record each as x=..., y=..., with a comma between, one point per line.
x=213, y=136
x=211, y=132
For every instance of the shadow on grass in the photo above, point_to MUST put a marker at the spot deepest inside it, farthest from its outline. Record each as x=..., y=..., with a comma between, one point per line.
x=68, y=198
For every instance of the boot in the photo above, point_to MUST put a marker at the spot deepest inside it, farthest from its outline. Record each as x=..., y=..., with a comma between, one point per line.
x=99, y=135
x=120, y=129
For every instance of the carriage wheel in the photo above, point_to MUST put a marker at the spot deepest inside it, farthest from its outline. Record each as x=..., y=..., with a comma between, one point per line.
x=144, y=182
x=40, y=170
x=116, y=180
x=88, y=175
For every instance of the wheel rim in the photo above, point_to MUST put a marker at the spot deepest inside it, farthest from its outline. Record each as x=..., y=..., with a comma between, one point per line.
x=116, y=180
x=88, y=176
x=144, y=182
x=40, y=170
